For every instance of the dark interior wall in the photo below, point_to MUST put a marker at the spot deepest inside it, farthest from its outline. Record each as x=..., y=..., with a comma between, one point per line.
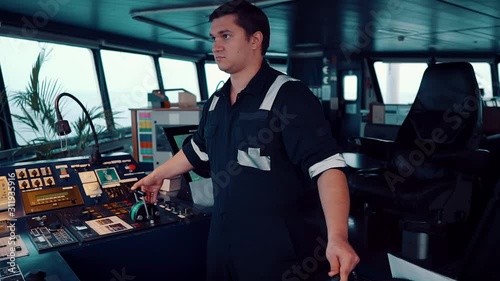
x=325, y=72
x=308, y=70
x=7, y=138
x=316, y=22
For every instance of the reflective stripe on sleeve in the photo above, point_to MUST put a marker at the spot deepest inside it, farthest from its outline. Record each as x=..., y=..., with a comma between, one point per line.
x=335, y=161
x=203, y=156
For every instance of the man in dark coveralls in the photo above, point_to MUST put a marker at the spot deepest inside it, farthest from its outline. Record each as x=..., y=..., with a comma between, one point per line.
x=266, y=140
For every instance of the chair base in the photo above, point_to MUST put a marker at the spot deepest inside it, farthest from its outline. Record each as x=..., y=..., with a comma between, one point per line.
x=426, y=245
x=419, y=242
x=415, y=245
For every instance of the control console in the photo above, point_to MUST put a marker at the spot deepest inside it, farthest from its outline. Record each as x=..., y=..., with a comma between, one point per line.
x=69, y=201
x=46, y=232
x=50, y=185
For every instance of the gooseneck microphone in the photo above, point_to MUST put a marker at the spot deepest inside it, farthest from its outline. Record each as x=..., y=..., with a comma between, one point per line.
x=63, y=128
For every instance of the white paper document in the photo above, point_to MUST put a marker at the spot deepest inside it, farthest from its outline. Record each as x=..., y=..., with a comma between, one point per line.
x=406, y=270
x=108, y=225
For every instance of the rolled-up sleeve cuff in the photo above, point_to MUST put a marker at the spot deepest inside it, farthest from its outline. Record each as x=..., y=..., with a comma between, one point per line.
x=335, y=161
x=194, y=154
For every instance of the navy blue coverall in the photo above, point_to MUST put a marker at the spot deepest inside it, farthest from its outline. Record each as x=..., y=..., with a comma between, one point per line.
x=264, y=151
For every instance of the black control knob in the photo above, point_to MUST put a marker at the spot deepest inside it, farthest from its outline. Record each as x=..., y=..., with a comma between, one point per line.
x=36, y=276
x=87, y=215
x=54, y=226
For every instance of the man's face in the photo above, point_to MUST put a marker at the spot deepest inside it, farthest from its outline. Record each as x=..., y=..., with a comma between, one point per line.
x=231, y=46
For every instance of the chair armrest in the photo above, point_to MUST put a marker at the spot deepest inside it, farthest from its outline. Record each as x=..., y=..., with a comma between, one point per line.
x=471, y=162
x=356, y=160
x=373, y=147
x=493, y=138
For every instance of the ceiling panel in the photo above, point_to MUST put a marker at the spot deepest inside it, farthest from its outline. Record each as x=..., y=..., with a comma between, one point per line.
x=368, y=26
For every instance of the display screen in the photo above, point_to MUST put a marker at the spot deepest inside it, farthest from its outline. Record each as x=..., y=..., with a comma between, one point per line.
x=107, y=176
x=51, y=195
x=176, y=136
x=200, y=183
x=179, y=140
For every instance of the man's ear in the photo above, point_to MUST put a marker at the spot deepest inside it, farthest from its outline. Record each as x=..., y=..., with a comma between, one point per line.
x=256, y=40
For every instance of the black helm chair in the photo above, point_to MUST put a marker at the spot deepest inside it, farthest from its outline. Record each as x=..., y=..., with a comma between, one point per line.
x=432, y=166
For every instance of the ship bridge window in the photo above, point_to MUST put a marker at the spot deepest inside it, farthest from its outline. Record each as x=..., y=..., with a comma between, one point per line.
x=215, y=77
x=179, y=74
x=61, y=68
x=483, y=77
x=129, y=77
x=350, y=85
x=399, y=82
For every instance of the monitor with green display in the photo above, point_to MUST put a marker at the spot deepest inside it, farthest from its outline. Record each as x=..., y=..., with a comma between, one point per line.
x=198, y=179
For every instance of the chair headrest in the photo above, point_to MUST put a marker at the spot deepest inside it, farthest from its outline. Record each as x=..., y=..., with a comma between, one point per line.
x=444, y=85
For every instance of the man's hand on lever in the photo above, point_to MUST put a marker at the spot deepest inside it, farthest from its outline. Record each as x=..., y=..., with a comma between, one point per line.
x=150, y=186
x=342, y=258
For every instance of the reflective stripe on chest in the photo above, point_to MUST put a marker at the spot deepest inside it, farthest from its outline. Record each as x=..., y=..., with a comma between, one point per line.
x=252, y=158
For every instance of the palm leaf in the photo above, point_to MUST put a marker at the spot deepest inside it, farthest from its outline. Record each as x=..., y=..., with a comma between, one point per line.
x=32, y=88
x=48, y=91
x=27, y=119
x=37, y=104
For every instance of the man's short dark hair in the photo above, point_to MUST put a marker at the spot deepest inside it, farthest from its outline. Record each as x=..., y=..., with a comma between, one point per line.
x=249, y=17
